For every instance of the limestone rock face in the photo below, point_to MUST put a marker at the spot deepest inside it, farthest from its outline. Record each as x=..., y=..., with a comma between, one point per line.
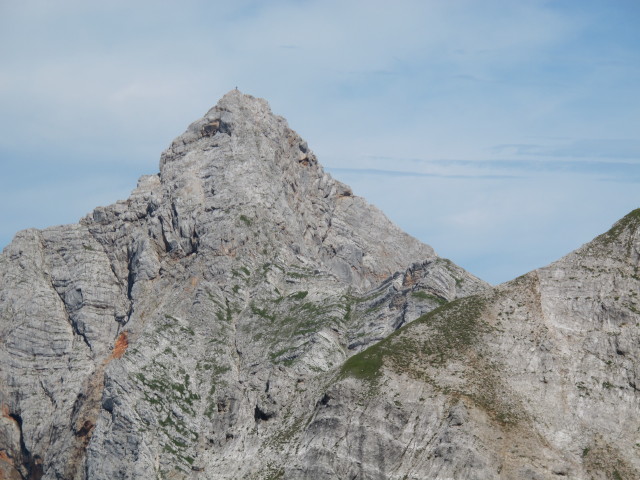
x=244, y=315
x=534, y=379
x=192, y=330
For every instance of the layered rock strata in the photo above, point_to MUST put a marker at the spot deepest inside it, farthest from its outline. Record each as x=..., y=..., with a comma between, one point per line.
x=188, y=330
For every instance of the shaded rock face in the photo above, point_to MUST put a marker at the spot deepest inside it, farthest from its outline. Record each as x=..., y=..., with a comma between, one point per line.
x=193, y=330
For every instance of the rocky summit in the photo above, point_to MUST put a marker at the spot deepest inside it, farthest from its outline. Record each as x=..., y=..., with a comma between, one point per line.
x=243, y=315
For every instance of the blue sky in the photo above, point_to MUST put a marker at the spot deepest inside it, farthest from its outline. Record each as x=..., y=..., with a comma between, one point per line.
x=503, y=133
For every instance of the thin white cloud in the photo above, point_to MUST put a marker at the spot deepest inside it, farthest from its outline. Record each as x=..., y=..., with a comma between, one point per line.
x=371, y=85
x=608, y=148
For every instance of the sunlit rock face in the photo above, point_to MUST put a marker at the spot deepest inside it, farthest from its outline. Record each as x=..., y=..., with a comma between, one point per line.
x=192, y=329
x=245, y=316
x=534, y=379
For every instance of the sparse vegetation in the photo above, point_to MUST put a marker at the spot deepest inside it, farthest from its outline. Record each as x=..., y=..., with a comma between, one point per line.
x=450, y=333
x=299, y=295
x=261, y=312
x=422, y=295
x=631, y=221
x=365, y=365
x=452, y=329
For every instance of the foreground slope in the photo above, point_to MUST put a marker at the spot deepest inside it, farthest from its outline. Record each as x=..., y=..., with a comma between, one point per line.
x=190, y=331
x=538, y=378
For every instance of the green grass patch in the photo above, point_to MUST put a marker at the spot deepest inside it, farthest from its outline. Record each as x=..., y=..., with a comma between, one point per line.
x=422, y=295
x=262, y=312
x=365, y=365
x=450, y=331
x=299, y=295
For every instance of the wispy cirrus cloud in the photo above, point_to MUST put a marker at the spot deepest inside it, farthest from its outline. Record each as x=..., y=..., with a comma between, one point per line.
x=408, y=173
x=507, y=169
x=474, y=124
x=614, y=149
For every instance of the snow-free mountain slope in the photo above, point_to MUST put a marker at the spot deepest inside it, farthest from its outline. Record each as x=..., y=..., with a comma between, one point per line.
x=536, y=378
x=244, y=315
x=190, y=330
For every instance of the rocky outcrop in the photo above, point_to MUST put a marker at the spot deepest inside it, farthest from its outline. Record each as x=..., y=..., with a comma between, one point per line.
x=533, y=379
x=244, y=315
x=188, y=330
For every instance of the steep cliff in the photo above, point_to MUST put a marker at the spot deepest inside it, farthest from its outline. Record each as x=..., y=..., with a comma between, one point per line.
x=192, y=331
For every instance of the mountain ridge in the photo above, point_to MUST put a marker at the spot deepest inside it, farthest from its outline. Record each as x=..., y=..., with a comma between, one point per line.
x=546, y=363
x=244, y=315
x=242, y=252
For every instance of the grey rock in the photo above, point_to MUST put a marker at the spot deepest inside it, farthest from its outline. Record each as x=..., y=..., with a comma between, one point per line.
x=532, y=379
x=191, y=327
x=244, y=315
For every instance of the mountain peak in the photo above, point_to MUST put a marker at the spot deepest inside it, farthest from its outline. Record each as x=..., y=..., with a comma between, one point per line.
x=182, y=325
x=240, y=161
x=241, y=315
x=236, y=100
x=234, y=113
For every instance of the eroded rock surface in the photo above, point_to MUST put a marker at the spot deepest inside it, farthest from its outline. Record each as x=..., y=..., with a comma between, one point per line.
x=190, y=330
x=244, y=315
x=534, y=379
